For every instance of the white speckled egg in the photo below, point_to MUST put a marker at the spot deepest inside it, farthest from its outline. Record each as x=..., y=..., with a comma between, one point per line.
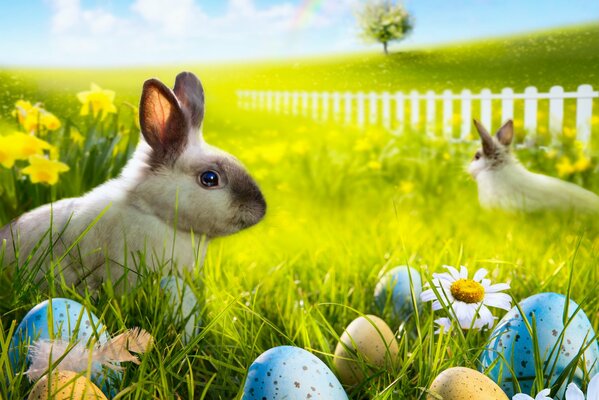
x=461, y=383
x=511, y=340
x=185, y=305
x=290, y=373
x=396, y=286
x=65, y=319
x=65, y=385
x=366, y=344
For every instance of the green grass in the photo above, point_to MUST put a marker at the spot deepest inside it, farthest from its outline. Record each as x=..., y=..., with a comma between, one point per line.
x=336, y=221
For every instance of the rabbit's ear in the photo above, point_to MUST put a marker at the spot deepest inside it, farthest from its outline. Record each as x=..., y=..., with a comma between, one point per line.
x=486, y=139
x=190, y=93
x=162, y=121
x=505, y=134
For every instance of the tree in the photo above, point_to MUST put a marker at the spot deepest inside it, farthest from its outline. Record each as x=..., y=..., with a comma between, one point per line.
x=382, y=21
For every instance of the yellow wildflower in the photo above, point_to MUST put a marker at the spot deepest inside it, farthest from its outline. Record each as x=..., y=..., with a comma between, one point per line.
x=374, y=165
x=300, y=147
x=565, y=167
x=569, y=132
x=41, y=169
x=49, y=120
x=582, y=164
x=274, y=153
x=406, y=187
x=97, y=100
x=77, y=138
x=362, y=144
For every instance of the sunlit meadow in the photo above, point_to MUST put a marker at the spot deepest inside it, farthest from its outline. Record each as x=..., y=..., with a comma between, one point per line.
x=345, y=204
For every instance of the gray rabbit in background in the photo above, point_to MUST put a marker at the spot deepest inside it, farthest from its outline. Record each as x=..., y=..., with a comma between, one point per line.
x=173, y=191
x=504, y=183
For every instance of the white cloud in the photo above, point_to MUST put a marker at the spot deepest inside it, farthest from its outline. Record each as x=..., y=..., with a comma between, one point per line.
x=181, y=30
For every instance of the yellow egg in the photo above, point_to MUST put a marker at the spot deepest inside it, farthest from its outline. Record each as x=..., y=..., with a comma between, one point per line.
x=461, y=383
x=65, y=385
x=368, y=339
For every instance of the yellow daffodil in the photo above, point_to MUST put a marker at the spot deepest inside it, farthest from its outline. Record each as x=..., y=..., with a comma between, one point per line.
x=8, y=151
x=97, y=100
x=24, y=145
x=33, y=117
x=565, y=167
x=42, y=170
x=77, y=138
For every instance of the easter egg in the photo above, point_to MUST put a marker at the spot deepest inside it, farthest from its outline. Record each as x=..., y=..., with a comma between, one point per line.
x=367, y=344
x=185, y=306
x=510, y=342
x=461, y=383
x=65, y=385
x=288, y=372
x=59, y=319
x=398, y=286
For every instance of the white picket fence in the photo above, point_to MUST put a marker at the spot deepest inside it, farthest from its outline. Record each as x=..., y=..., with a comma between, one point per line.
x=390, y=109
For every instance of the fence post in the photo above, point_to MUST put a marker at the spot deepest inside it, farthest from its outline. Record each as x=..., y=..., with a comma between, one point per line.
x=507, y=104
x=400, y=112
x=386, y=110
x=466, y=96
x=372, y=109
x=269, y=100
x=414, y=109
x=336, y=106
x=294, y=103
x=430, y=112
x=315, y=105
x=360, y=105
x=556, y=111
x=253, y=100
x=325, y=106
x=530, y=111
x=277, y=96
x=447, y=113
x=348, y=107
x=285, y=102
x=304, y=103
x=584, y=113
x=485, y=109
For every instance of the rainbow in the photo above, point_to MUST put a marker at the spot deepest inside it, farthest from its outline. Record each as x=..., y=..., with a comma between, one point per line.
x=306, y=12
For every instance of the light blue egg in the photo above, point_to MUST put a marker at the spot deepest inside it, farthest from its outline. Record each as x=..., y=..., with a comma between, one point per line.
x=290, y=373
x=395, y=286
x=185, y=305
x=67, y=320
x=511, y=340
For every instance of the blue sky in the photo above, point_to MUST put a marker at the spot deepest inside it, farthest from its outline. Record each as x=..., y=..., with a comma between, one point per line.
x=137, y=32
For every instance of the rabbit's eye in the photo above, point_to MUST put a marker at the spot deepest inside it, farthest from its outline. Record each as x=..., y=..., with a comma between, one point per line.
x=477, y=156
x=209, y=179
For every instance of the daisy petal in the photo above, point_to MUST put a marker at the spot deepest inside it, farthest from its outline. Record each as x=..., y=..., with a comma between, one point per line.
x=453, y=272
x=480, y=274
x=498, y=300
x=574, y=393
x=463, y=272
x=498, y=287
x=428, y=295
x=522, y=396
x=593, y=388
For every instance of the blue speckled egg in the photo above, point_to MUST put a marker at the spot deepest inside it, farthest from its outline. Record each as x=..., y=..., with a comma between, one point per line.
x=185, y=305
x=65, y=319
x=395, y=286
x=512, y=341
x=290, y=373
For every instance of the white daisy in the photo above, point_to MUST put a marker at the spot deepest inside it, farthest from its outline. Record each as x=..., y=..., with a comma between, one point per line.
x=543, y=395
x=572, y=392
x=468, y=299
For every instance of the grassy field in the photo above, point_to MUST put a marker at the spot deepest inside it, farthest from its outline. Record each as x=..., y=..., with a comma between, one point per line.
x=345, y=205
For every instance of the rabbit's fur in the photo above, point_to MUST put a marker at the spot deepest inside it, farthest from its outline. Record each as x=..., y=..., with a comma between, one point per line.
x=159, y=205
x=504, y=183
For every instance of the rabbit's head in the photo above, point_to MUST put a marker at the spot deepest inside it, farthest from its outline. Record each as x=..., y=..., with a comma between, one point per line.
x=206, y=189
x=495, y=152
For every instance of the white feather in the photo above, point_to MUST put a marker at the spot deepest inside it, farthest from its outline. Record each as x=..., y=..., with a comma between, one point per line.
x=63, y=355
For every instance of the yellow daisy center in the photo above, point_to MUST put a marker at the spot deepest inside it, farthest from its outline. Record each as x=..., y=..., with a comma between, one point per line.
x=467, y=291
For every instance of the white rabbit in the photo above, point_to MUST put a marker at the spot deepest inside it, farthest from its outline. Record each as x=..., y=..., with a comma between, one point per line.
x=175, y=190
x=504, y=183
